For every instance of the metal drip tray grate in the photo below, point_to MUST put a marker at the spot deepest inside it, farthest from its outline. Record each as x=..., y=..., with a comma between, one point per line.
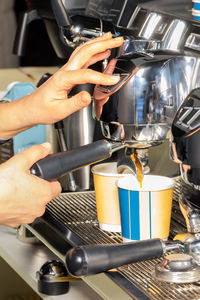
x=77, y=211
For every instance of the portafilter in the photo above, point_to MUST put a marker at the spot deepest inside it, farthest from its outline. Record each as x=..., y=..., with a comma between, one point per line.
x=92, y=259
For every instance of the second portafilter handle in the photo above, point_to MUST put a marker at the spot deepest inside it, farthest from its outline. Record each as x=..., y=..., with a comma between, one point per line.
x=92, y=259
x=55, y=165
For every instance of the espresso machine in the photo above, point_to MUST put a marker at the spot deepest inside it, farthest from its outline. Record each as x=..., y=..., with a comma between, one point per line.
x=159, y=67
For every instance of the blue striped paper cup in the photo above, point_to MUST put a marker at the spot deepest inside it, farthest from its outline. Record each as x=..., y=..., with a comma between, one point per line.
x=145, y=212
x=196, y=14
x=196, y=4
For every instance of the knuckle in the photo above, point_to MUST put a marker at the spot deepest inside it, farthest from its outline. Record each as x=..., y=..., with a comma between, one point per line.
x=41, y=212
x=47, y=198
x=59, y=77
x=34, y=149
x=29, y=220
x=14, y=224
x=83, y=100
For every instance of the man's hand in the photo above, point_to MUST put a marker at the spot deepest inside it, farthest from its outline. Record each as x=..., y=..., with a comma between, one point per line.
x=23, y=196
x=50, y=102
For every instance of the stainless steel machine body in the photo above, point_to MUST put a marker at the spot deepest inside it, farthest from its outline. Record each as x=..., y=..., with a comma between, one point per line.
x=156, y=91
x=145, y=105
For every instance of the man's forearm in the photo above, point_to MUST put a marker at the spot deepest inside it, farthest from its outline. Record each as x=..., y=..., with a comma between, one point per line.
x=14, y=118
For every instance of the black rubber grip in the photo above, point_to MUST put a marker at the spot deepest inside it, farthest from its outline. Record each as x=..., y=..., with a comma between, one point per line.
x=60, y=13
x=93, y=259
x=58, y=164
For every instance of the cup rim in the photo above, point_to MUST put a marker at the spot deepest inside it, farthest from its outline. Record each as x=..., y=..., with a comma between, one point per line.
x=109, y=174
x=169, y=185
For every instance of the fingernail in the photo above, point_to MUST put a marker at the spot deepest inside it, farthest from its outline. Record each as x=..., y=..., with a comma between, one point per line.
x=46, y=145
x=115, y=77
x=119, y=38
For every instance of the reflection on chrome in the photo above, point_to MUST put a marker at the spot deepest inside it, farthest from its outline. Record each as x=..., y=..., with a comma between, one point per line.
x=147, y=103
x=131, y=46
x=193, y=41
x=150, y=25
x=173, y=36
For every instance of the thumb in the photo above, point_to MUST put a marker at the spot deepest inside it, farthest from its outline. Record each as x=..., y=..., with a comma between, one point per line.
x=29, y=156
x=77, y=102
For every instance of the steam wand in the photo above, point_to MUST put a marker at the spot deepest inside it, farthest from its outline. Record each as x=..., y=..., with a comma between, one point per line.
x=59, y=127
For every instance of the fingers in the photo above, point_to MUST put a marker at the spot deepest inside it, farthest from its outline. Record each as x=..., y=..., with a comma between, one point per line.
x=106, y=36
x=98, y=94
x=69, y=79
x=56, y=189
x=76, y=103
x=98, y=106
x=88, y=50
x=28, y=157
x=97, y=57
x=32, y=155
x=111, y=66
x=81, y=100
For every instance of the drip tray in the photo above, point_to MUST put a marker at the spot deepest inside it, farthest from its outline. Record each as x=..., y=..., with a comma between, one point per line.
x=72, y=216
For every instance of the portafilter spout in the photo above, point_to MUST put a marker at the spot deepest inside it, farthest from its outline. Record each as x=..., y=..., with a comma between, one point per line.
x=55, y=165
x=134, y=160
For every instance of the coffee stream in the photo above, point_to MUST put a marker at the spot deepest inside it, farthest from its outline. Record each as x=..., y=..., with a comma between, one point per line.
x=139, y=169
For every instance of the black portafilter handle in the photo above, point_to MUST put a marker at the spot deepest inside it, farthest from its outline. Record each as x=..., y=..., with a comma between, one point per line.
x=55, y=165
x=93, y=259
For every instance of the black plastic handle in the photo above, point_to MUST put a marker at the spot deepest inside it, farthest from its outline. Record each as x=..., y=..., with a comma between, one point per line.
x=58, y=164
x=60, y=13
x=93, y=259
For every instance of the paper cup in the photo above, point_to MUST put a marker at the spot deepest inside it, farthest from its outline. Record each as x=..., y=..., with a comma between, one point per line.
x=196, y=14
x=145, y=212
x=196, y=4
x=107, y=202
x=196, y=17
